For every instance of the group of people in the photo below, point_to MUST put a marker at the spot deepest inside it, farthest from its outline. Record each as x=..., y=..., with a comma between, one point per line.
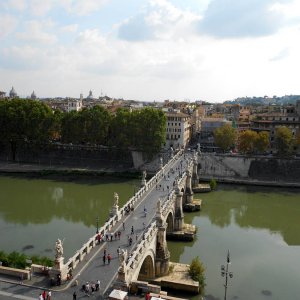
x=89, y=288
x=45, y=295
x=109, y=236
x=106, y=257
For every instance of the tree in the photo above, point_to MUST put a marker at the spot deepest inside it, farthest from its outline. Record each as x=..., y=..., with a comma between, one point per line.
x=24, y=120
x=213, y=184
x=196, y=271
x=246, y=141
x=262, y=142
x=284, y=142
x=225, y=137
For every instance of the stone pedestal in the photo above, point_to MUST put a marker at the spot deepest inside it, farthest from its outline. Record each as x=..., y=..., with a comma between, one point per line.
x=162, y=257
x=115, y=212
x=179, y=216
x=59, y=268
x=59, y=263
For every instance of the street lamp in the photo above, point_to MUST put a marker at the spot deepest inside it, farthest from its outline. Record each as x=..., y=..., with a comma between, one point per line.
x=226, y=273
x=97, y=222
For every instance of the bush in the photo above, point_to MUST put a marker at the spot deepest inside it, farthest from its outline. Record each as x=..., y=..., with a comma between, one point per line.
x=213, y=184
x=196, y=272
x=18, y=260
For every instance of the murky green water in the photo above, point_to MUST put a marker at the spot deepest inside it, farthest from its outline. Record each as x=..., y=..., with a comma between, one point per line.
x=261, y=228
x=34, y=213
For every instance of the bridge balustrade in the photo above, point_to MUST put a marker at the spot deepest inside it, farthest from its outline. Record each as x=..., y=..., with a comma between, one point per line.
x=142, y=245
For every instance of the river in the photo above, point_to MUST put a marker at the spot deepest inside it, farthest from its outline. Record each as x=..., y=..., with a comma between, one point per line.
x=260, y=227
x=35, y=212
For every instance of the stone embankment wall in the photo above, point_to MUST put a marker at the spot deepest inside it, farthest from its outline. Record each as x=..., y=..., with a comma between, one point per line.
x=71, y=156
x=249, y=168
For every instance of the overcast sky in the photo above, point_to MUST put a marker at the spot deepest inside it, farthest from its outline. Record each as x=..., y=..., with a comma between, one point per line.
x=149, y=50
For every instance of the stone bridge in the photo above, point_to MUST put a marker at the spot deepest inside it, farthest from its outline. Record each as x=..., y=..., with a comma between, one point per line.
x=165, y=195
x=150, y=258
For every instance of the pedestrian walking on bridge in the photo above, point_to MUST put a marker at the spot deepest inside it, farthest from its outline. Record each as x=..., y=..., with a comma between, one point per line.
x=74, y=296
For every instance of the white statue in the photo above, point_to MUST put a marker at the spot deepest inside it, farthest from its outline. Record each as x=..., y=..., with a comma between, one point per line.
x=144, y=175
x=161, y=161
x=59, y=249
x=116, y=199
x=123, y=256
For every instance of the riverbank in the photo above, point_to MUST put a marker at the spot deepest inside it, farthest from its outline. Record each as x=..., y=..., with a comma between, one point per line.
x=38, y=170
x=253, y=182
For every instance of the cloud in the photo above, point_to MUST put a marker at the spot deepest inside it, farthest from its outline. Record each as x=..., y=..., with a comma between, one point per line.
x=7, y=25
x=21, y=58
x=241, y=18
x=70, y=28
x=284, y=53
x=35, y=33
x=40, y=8
x=17, y=4
x=82, y=7
x=159, y=20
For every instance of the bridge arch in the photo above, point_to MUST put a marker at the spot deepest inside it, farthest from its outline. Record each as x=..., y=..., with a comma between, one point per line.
x=170, y=221
x=146, y=269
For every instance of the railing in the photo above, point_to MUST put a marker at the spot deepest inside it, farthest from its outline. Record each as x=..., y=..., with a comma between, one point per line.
x=137, y=253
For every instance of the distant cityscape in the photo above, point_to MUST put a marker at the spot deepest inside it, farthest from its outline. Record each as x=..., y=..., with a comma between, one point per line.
x=196, y=121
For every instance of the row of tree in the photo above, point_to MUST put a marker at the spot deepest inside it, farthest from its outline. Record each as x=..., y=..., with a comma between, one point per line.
x=249, y=141
x=23, y=120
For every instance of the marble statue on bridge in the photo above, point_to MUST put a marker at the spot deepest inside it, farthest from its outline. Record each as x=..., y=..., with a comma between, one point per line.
x=59, y=249
x=116, y=199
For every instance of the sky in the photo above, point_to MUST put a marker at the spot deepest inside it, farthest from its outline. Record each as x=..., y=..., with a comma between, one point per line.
x=150, y=50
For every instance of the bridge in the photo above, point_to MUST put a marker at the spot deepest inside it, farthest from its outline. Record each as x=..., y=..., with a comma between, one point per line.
x=164, y=197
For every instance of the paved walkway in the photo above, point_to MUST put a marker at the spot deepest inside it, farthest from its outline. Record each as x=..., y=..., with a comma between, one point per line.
x=92, y=267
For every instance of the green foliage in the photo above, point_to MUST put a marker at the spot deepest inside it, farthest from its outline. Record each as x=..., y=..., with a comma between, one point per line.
x=29, y=121
x=18, y=260
x=246, y=141
x=250, y=141
x=141, y=129
x=284, y=141
x=225, y=137
x=213, y=184
x=262, y=142
x=197, y=273
x=41, y=260
x=23, y=120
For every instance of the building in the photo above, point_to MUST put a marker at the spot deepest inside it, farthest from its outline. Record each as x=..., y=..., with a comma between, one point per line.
x=74, y=104
x=178, y=129
x=2, y=95
x=289, y=116
x=13, y=93
x=33, y=96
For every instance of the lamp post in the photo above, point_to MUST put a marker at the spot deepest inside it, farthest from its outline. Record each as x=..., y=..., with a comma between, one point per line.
x=97, y=224
x=225, y=272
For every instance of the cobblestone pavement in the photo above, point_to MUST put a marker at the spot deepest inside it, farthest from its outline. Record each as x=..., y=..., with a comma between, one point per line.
x=92, y=267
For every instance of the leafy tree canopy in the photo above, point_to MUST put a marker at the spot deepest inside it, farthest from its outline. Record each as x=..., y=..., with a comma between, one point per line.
x=284, y=141
x=225, y=136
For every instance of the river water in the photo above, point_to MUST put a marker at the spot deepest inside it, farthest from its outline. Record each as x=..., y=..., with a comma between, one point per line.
x=35, y=212
x=260, y=227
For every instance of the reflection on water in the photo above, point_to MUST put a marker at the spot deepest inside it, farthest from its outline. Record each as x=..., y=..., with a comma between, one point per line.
x=260, y=226
x=34, y=213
